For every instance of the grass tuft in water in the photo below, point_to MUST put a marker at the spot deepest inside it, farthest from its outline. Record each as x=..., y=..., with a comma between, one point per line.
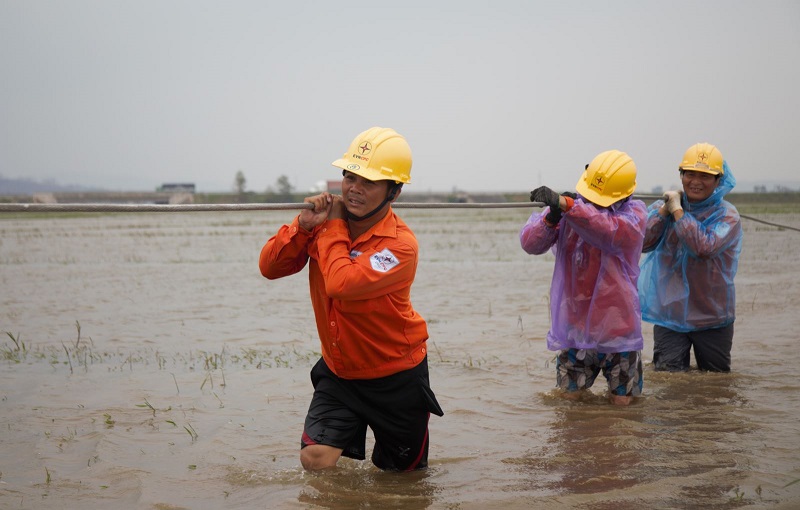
x=16, y=353
x=192, y=433
x=82, y=352
x=147, y=405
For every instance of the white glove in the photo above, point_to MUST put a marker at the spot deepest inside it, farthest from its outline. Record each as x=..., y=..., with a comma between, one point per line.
x=672, y=201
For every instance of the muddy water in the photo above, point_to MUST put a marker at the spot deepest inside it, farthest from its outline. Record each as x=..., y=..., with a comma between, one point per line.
x=150, y=366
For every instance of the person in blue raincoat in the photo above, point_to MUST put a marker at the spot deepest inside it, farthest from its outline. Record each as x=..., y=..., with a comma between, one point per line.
x=692, y=248
x=596, y=236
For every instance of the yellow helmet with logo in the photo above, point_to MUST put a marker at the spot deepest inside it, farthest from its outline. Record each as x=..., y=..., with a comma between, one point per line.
x=610, y=177
x=703, y=157
x=378, y=154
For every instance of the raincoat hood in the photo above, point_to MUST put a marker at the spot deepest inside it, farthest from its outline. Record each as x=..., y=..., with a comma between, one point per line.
x=726, y=184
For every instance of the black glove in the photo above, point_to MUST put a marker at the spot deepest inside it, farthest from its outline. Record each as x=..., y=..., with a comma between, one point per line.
x=545, y=195
x=553, y=217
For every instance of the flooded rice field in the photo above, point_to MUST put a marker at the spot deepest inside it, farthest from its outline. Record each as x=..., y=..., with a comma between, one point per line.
x=145, y=363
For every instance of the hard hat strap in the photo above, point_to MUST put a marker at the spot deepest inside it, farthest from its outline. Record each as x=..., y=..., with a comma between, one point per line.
x=390, y=195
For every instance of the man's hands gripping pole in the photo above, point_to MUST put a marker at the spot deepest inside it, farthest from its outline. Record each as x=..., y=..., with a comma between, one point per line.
x=672, y=201
x=551, y=199
x=326, y=207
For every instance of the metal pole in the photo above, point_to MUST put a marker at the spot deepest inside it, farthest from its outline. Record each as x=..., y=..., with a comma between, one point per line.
x=251, y=207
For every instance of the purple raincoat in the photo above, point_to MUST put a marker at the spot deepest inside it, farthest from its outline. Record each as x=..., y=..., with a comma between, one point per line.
x=594, y=302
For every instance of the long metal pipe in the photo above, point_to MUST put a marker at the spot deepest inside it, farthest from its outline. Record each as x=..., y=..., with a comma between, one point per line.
x=101, y=207
x=281, y=207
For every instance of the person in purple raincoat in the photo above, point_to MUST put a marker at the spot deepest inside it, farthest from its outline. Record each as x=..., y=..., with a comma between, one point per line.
x=596, y=236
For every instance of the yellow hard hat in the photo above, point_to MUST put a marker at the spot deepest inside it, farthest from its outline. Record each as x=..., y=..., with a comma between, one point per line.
x=378, y=154
x=610, y=177
x=703, y=157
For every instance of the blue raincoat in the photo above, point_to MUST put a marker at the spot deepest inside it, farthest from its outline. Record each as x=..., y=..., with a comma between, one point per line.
x=687, y=275
x=594, y=303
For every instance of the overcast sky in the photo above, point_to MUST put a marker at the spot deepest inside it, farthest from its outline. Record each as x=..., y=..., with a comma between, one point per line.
x=495, y=96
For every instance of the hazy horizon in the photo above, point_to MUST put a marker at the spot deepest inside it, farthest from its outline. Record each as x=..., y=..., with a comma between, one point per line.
x=58, y=187
x=502, y=97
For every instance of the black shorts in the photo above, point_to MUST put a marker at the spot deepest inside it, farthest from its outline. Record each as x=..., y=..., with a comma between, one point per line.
x=712, y=349
x=396, y=408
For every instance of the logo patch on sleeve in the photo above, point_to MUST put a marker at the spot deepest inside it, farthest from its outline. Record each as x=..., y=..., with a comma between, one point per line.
x=383, y=261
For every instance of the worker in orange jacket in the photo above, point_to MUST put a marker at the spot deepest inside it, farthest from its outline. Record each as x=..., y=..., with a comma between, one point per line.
x=362, y=259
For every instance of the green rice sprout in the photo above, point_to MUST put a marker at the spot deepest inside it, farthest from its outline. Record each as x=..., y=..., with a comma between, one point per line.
x=190, y=430
x=78, y=341
x=208, y=377
x=176, y=383
x=148, y=405
x=16, y=341
x=68, y=357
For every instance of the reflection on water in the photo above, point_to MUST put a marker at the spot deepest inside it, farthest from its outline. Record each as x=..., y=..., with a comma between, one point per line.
x=675, y=441
x=361, y=486
x=352, y=484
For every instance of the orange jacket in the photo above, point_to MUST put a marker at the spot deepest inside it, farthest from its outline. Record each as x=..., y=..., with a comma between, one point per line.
x=360, y=292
